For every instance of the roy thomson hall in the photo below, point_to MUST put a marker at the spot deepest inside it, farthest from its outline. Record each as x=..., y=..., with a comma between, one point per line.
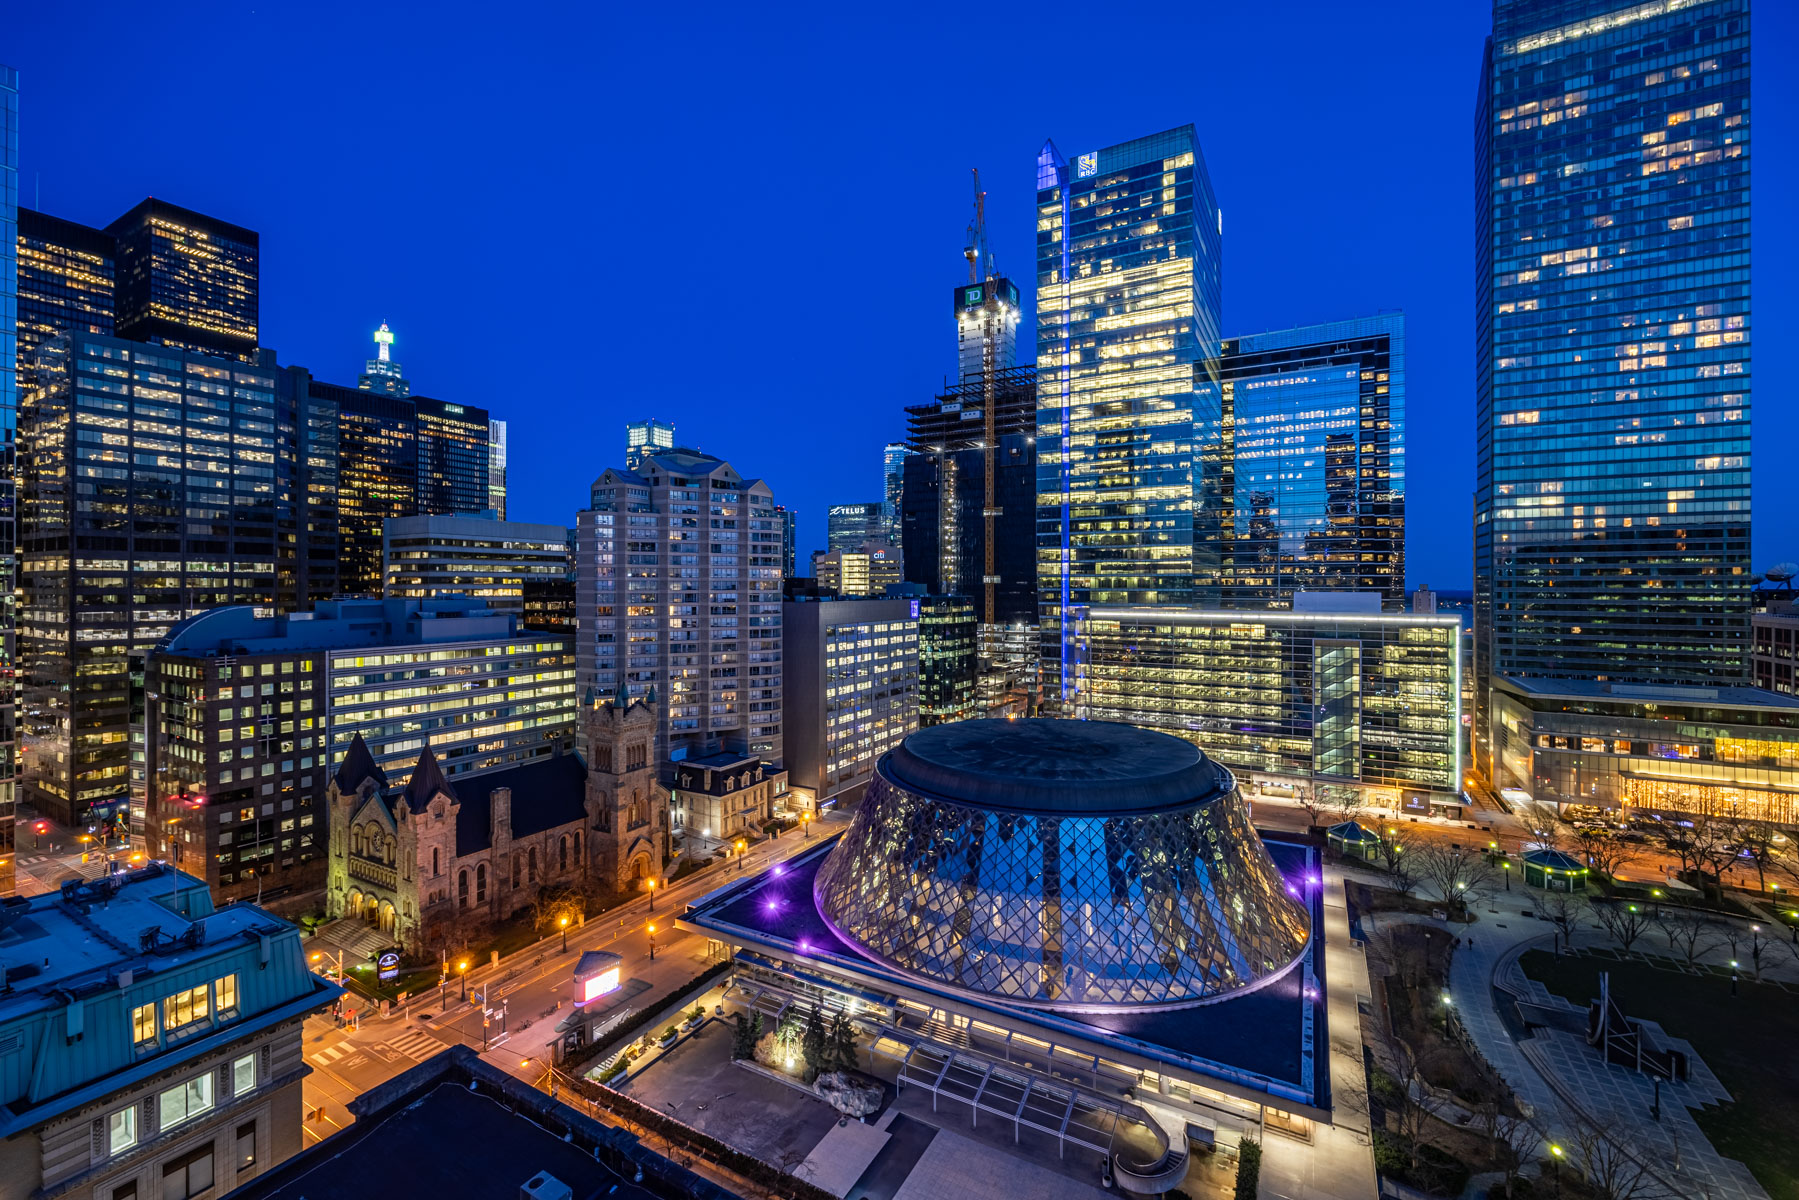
x=1067, y=926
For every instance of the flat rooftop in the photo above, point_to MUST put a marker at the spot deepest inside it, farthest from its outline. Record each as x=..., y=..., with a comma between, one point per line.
x=1059, y=767
x=1271, y=1039
x=1636, y=693
x=61, y=940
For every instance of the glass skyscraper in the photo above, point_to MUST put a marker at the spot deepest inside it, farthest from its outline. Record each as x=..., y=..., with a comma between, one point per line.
x=186, y=280
x=1129, y=280
x=9, y=403
x=1611, y=512
x=1314, y=462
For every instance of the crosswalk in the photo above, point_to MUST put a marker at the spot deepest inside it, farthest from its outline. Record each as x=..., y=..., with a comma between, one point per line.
x=416, y=1044
x=329, y=1054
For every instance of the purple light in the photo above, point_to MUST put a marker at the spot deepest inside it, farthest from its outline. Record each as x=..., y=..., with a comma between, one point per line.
x=772, y=905
x=805, y=946
x=1291, y=890
x=780, y=870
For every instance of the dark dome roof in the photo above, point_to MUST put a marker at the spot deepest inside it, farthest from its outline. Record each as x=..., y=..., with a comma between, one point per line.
x=1055, y=766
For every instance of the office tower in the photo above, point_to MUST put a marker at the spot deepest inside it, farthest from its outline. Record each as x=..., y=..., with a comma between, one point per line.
x=893, y=462
x=1611, y=508
x=65, y=283
x=787, y=518
x=177, y=1061
x=248, y=716
x=644, y=438
x=678, y=589
x=868, y=570
x=496, y=468
x=942, y=511
x=427, y=558
x=381, y=373
x=377, y=446
x=1314, y=462
x=9, y=401
x=1334, y=691
x=847, y=526
x=186, y=280
x=1128, y=397
x=549, y=601
x=947, y=659
x=136, y=511
x=452, y=456
x=313, y=419
x=852, y=674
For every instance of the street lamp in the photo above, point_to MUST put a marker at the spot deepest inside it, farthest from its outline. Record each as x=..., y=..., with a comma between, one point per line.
x=1555, y=1153
x=564, y=923
x=652, y=943
x=806, y=824
x=650, y=886
x=462, y=972
x=740, y=855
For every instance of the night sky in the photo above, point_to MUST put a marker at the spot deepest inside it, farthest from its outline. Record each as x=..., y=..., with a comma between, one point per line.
x=748, y=219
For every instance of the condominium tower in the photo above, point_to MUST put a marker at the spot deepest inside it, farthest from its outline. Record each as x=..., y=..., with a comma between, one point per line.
x=678, y=592
x=1612, y=372
x=1129, y=275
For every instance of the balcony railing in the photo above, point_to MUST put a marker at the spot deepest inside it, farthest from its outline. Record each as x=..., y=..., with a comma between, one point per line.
x=375, y=873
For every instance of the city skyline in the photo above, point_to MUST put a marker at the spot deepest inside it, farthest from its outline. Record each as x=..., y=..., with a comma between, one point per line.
x=1307, y=243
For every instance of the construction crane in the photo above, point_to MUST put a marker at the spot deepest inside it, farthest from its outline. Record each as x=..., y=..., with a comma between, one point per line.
x=980, y=259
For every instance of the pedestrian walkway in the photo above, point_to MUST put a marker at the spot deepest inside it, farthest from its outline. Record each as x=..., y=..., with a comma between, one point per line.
x=1566, y=1084
x=416, y=1044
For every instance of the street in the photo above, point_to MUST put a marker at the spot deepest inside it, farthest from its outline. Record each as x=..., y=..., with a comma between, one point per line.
x=534, y=987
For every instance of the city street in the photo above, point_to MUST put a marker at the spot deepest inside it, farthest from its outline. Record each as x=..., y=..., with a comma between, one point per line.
x=535, y=988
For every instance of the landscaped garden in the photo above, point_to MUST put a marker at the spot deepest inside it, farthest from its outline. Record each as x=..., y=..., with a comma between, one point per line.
x=1747, y=1040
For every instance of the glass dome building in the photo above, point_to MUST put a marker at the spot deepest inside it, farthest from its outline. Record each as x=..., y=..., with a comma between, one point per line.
x=1080, y=866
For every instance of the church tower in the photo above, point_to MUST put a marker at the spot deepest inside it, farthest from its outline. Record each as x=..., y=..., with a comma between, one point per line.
x=627, y=809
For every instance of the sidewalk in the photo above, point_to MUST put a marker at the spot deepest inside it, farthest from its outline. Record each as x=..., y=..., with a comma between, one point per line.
x=1565, y=1081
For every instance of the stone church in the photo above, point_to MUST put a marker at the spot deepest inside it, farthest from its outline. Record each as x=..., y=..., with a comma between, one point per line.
x=434, y=859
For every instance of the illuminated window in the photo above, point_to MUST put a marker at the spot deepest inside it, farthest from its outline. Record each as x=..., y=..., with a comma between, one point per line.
x=121, y=1130
x=185, y=1008
x=143, y=1024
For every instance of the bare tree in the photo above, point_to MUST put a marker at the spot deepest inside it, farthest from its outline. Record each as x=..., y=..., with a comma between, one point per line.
x=1397, y=854
x=1564, y=910
x=1340, y=804
x=1755, y=842
x=1412, y=1109
x=554, y=905
x=1611, y=1172
x=1690, y=933
x=1714, y=847
x=1308, y=796
x=1460, y=874
x=1516, y=1139
x=1624, y=920
x=1543, y=824
x=1602, y=850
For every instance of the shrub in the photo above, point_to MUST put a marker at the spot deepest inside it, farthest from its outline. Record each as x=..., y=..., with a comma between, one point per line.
x=669, y=1034
x=1249, y=1169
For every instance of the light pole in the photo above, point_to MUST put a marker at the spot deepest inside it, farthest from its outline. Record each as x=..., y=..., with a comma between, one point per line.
x=740, y=848
x=650, y=886
x=1555, y=1157
x=564, y=923
x=462, y=971
x=652, y=943
x=319, y=954
x=805, y=824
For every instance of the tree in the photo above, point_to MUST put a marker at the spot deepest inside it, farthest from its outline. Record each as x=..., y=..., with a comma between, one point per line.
x=841, y=1045
x=1625, y=921
x=1610, y=1170
x=814, y=1044
x=1690, y=933
x=1516, y=1139
x=1602, y=850
x=1756, y=843
x=1311, y=798
x=1564, y=910
x=1340, y=803
x=743, y=1043
x=1459, y=873
x=1395, y=853
x=1543, y=824
x=552, y=904
x=1714, y=848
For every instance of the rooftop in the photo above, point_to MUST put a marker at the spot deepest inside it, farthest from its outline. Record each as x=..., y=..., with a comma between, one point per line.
x=1637, y=694
x=338, y=625
x=1045, y=765
x=455, y=1126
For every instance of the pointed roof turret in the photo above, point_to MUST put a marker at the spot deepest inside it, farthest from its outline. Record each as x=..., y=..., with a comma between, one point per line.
x=622, y=697
x=427, y=780
x=357, y=765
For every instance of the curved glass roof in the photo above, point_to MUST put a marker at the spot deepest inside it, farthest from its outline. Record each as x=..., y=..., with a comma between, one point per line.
x=1130, y=903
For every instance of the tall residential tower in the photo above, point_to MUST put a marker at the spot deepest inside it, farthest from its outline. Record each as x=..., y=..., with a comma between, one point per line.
x=1611, y=508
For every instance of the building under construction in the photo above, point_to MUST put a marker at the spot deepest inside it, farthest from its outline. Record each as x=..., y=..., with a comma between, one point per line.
x=968, y=504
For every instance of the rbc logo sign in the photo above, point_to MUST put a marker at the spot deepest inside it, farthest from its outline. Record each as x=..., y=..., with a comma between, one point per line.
x=1086, y=165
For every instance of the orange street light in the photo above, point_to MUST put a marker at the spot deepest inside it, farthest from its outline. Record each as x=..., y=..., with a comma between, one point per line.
x=650, y=886
x=564, y=923
x=462, y=973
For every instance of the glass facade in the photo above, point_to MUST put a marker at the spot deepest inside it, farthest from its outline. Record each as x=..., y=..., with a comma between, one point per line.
x=1129, y=279
x=848, y=526
x=487, y=560
x=9, y=403
x=1728, y=752
x=1369, y=699
x=1314, y=462
x=377, y=442
x=154, y=483
x=496, y=468
x=942, y=510
x=1080, y=910
x=453, y=452
x=1611, y=514
x=187, y=280
x=947, y=663
x=65, y=283
x=646, y=437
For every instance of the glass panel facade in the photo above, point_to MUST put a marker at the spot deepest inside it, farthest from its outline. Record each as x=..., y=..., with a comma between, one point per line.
x=1314, y=462
x=9, y=401
x=1367, y=698
x=1611, y=519
x=1129, y=278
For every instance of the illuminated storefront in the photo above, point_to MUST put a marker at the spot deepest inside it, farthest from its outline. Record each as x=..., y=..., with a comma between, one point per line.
x=1731, y=752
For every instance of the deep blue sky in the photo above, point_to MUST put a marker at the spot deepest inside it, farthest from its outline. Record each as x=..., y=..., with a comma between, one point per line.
x=747, y=219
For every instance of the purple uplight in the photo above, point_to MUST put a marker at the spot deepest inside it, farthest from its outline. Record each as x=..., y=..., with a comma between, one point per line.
x=805, y=947
x=1291, y=890
x=780, y=870
x=772, y=904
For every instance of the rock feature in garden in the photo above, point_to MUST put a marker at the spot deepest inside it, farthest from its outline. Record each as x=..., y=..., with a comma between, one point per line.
x=848, y=1094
